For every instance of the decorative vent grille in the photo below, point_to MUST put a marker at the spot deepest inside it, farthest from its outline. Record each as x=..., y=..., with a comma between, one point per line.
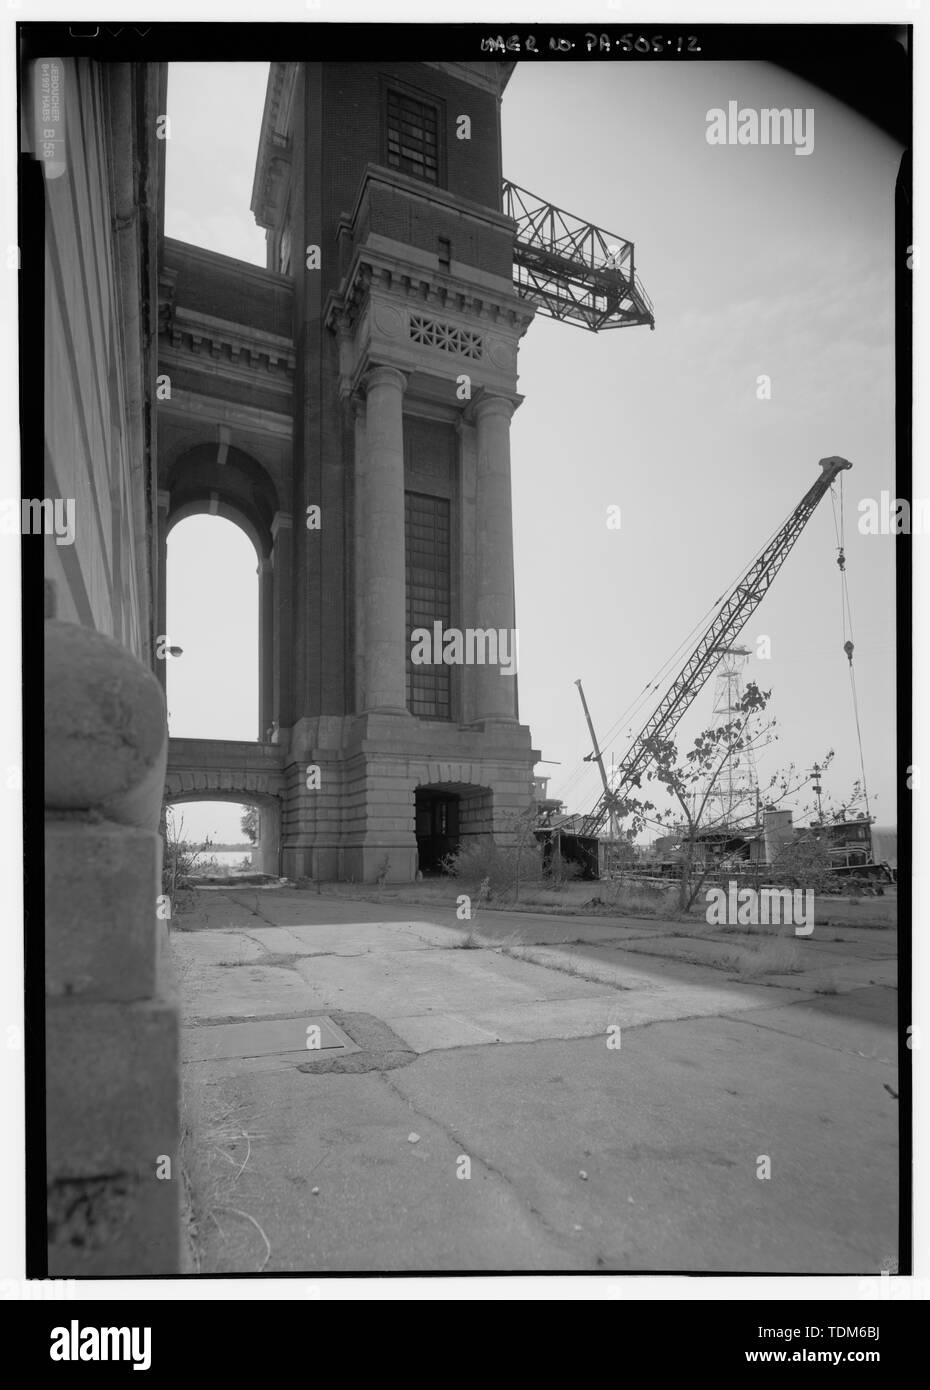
x=446, y=337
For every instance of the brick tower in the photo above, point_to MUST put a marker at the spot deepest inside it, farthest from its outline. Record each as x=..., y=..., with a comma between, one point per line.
x=380, y=192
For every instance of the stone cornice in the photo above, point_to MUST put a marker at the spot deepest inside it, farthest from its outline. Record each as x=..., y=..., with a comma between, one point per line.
x=237, y=344
x=431, y=291
x=176, y=252
x=274, y=144
x=491, y=77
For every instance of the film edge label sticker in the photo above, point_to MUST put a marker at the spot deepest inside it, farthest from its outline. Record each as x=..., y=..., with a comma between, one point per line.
x=49, y=115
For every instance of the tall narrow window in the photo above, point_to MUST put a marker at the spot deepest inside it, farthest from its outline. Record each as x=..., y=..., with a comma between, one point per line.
x=429, y=599
x=413, y=136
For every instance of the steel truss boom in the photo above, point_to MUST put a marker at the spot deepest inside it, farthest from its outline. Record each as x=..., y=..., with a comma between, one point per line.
x=736, y=610
x=572, y=270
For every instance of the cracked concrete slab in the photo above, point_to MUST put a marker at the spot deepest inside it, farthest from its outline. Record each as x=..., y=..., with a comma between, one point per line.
x=668, y=1131
x=337, y=1185
x=450, y=981
x=246, y=991
x=215, y=947
x=351, y=938
x=858, y=1023
x=581, y=1156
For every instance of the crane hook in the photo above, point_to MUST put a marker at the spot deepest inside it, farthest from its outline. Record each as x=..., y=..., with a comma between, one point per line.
x=848, y=649
x=841, y=558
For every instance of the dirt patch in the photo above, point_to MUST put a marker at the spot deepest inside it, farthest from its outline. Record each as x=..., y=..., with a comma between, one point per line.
x=380, y=1048
x=281, y=961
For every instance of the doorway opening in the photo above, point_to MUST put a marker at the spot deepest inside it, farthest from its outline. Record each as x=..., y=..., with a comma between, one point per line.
x=437, y=827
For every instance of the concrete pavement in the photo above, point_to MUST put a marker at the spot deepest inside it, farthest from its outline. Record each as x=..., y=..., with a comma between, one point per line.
x=534, y=1093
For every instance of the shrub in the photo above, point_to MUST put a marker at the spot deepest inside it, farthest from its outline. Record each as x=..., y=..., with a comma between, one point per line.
x=481, y=858
x=562, y=871
x=180, y=857
x=803, y=864
x=778, y=957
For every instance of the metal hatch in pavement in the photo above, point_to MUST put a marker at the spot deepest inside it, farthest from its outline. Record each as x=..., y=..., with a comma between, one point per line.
x=307, y=1035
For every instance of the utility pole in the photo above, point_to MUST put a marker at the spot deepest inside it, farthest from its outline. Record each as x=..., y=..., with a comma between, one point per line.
x=817, y=789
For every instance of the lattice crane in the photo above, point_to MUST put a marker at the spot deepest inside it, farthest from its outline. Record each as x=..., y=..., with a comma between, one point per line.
x=731, y=617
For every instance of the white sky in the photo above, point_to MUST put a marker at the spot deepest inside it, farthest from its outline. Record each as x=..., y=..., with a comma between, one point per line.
x=758, y=261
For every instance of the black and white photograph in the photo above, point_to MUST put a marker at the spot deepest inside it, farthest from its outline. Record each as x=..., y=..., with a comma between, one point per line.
x=458, y=510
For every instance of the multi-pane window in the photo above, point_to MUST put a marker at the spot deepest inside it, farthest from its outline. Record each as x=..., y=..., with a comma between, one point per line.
x=429, y=600
x=413, y=136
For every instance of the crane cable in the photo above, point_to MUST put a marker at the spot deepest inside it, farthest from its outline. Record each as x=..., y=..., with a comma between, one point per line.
x=839, y=527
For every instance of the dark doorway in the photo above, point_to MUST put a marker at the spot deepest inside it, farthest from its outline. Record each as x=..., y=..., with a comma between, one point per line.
x=437, y=828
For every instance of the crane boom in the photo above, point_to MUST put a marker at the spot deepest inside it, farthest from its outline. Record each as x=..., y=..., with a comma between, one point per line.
x=596, y=756
x=731, y=617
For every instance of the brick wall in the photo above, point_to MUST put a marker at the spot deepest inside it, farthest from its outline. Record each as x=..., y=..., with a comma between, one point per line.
x=353, y=129
x=229, y=289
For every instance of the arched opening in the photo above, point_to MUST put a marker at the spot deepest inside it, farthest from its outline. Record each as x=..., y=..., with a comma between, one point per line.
x=217, y=834
x=212, y=686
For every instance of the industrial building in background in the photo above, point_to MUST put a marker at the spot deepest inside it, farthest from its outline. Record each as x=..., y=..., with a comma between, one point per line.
x=846, y=842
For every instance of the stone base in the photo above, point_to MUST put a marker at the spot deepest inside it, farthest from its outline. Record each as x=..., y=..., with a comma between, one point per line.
x=111, y=1070
x=383, y=862
x=358, y=823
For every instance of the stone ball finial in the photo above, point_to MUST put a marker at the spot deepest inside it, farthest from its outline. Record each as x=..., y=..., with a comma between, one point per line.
x=106, y=734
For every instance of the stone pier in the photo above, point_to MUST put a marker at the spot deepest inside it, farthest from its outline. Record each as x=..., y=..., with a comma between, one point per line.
x=111, y=1019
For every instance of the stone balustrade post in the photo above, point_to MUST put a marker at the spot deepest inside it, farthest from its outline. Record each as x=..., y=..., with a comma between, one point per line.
x=111, y=1019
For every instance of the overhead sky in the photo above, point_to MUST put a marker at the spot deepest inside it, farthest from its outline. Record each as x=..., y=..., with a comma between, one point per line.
x=761, y=263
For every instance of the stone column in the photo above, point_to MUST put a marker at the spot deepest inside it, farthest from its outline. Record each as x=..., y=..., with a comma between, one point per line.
x=164, y=502
x=266, y=646
x=496, y=693
x=281, y=619
x=360, y=560
x=385, y=624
